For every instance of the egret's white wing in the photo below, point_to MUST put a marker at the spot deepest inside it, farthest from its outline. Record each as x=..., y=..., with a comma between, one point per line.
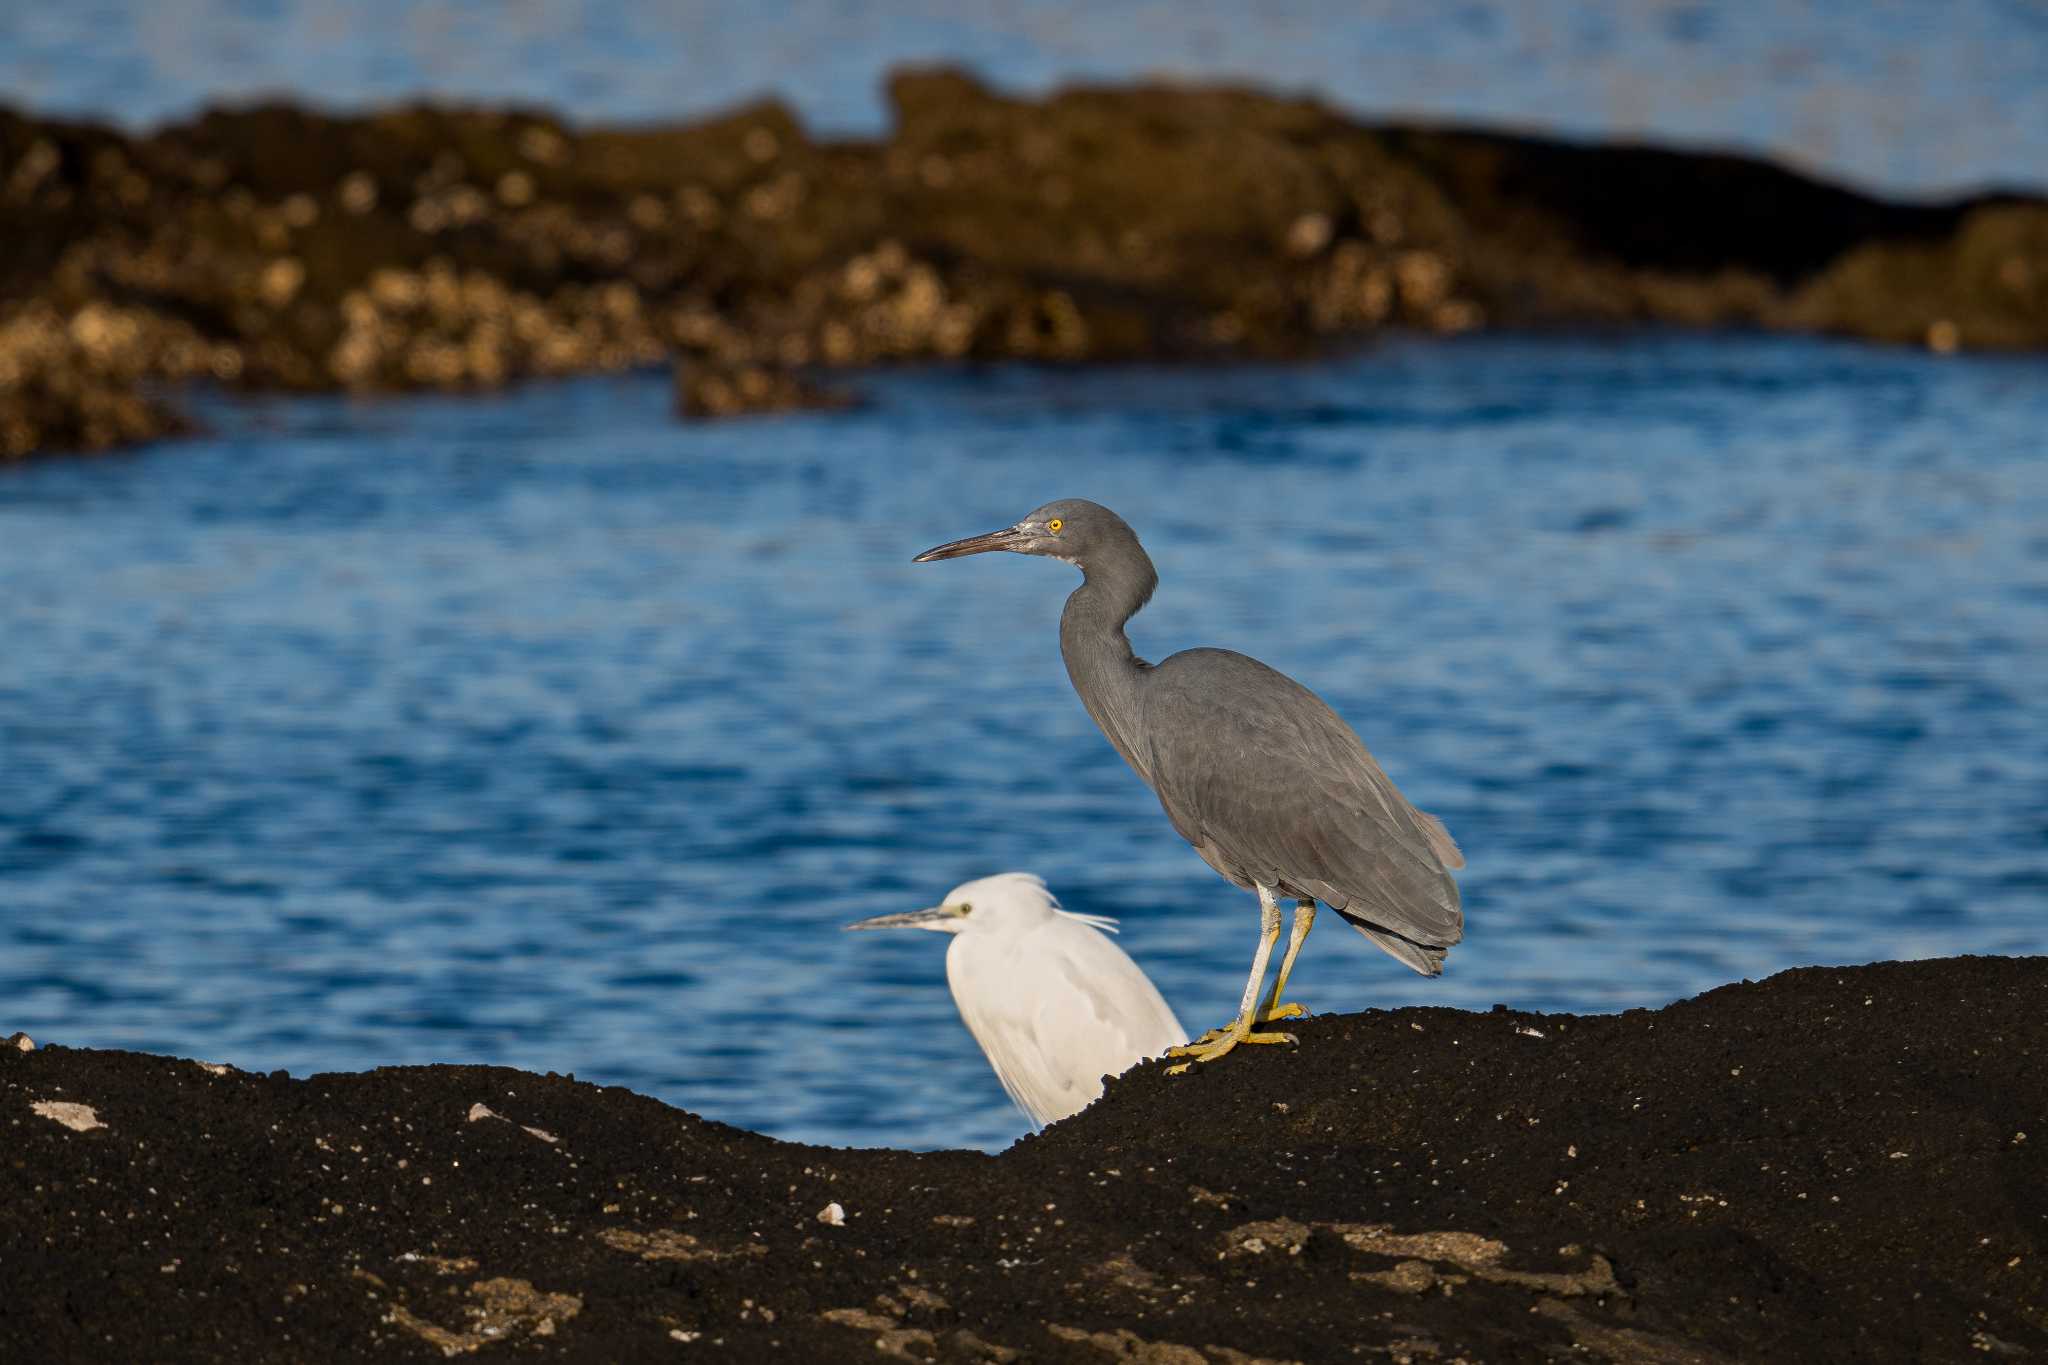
x=1055, y=1009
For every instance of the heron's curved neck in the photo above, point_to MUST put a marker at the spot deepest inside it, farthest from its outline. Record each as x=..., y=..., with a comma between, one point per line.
x=1100, y=662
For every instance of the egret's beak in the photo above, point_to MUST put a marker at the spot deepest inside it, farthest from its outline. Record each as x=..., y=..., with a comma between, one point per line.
x=933, y=918
x=1009, y=538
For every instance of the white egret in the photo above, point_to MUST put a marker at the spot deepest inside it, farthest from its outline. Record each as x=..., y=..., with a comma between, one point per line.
x=1054, y=1004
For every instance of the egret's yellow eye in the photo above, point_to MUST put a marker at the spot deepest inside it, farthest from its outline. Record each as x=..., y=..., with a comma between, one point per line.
x=965, y=908
x=1054, y=525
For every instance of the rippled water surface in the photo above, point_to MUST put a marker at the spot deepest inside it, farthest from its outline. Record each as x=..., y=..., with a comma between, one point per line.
x=545, y=730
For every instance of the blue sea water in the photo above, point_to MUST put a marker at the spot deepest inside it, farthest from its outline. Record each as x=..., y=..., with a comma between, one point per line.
x=545, y=730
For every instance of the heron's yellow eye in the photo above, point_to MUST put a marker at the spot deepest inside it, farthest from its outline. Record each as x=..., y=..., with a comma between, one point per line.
x=1054, y=525
x=965, y=908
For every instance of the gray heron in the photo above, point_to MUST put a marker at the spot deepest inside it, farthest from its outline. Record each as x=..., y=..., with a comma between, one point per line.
x=1272, y=788
x=1054, y=1004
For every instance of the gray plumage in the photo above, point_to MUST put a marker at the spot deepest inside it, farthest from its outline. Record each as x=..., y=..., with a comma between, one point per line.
x=1271, y=787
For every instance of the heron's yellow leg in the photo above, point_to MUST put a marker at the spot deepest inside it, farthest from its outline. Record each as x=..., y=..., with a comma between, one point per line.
x=1304, y=920
x=1217, y=1042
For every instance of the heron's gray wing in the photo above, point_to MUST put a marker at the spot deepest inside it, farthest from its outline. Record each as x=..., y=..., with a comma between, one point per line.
x=1255, y=770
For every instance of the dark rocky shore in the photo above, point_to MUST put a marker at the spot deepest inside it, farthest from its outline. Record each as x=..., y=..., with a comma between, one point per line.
x=417, y=248
x=1836, y=1164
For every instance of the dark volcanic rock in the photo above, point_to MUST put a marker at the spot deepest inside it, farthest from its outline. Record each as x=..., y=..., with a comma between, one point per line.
x=1837, y=1164
x=1986, y=286
x=456, y=249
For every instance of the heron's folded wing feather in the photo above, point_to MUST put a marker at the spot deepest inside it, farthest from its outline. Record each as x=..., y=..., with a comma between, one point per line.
x=1260, y=769
x=1440, y=841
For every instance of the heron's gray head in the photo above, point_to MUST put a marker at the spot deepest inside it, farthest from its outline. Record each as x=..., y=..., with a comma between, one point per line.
x=1072, y=529
x=1005, y=902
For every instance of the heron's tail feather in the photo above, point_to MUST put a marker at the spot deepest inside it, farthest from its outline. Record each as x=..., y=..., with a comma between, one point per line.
x=1426, y=958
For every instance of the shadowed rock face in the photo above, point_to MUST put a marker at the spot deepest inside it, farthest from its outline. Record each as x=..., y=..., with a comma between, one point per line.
x=462, y=249
x=1835, y=1164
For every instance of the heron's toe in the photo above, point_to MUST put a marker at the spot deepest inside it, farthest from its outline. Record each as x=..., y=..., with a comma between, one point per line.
x=1270, y=1038
x=1276, y=1013
x=1221, y=1042
x=1212, y=1036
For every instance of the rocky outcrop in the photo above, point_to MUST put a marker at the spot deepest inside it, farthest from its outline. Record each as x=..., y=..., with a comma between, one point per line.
x=468, y=249
x=1835, y=1164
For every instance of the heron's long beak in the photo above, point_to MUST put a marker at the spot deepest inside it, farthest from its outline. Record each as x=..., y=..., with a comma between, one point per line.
x=1009, y=538
x=909, y=919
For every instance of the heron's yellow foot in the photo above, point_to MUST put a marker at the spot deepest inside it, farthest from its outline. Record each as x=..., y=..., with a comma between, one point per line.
x=1265, y=1016
x=1208, y=1050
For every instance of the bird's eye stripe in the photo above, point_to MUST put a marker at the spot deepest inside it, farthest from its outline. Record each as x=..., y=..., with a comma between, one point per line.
x=1054, y=525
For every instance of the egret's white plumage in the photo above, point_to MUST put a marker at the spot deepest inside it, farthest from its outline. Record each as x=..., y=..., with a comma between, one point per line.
x=1055, y=1005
